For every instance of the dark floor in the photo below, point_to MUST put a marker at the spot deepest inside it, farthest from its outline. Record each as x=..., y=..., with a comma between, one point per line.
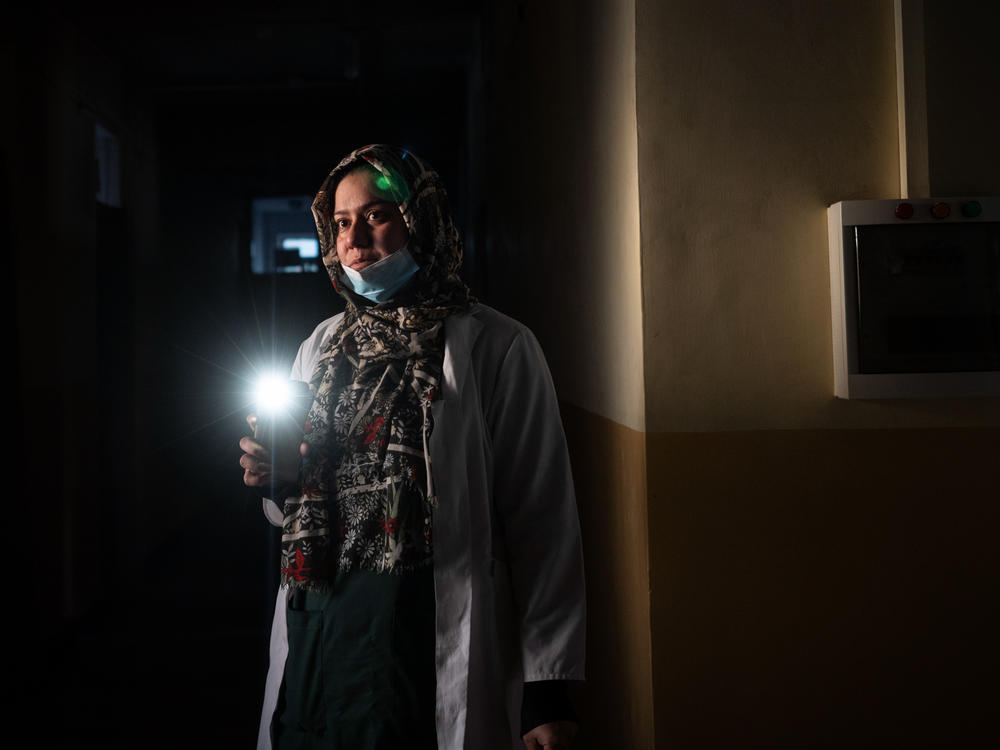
x=181, y=662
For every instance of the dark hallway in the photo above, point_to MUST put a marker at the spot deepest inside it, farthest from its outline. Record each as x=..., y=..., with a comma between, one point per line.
x=141, y=324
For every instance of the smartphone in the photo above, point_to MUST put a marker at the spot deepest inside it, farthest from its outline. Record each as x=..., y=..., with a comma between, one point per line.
x=280, y=429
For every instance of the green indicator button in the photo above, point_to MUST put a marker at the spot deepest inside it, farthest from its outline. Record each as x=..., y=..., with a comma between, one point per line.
x=971, y=209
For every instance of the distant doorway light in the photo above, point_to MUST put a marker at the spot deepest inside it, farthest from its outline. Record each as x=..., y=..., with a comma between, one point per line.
x=308, y=247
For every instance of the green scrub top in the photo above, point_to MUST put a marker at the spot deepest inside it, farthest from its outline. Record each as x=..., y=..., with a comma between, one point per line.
x=360, y=666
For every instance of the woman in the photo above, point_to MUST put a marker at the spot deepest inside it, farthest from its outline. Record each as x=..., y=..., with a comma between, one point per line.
x=432, y=571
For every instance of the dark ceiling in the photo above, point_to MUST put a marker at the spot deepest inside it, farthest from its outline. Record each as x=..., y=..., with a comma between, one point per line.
x=186, y=46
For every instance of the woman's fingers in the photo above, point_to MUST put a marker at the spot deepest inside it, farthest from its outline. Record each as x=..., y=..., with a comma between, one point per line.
x=256, y=460
x=256, y=480
x=551, y=736
x=255, y=473
x=255, y=465
x=253, y=448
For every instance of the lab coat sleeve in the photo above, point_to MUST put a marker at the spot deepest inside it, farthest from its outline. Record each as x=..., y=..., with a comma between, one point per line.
x=535, y=506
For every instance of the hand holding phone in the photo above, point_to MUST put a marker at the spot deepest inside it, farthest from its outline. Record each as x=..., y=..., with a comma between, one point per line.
x=272, y=456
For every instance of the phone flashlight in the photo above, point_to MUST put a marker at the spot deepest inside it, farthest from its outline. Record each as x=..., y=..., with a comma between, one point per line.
x=281, y=406
x=273, y=395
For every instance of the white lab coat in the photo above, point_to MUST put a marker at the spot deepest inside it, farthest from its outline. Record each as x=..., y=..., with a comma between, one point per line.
x=508, y=564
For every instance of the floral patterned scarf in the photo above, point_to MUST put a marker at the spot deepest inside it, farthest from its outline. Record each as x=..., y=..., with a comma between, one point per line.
x=367, y=495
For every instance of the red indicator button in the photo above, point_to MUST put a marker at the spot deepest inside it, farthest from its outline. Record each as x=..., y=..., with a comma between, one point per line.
x=940, y=210
x=904, y=210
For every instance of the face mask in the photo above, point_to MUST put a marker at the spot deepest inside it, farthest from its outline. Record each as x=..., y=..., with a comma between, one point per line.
x=380, y=281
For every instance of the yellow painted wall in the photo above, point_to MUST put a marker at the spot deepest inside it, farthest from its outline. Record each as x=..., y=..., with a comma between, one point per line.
x=818, y=567
x=824, y=588
x=784, y=568
x=753, y=118
x=563, y=208
x=609, y=469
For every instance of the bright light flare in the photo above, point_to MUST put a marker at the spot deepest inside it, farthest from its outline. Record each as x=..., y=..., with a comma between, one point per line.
x=272, y=394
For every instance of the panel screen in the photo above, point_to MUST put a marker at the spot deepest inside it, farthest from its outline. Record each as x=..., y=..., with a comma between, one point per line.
x=928, y=297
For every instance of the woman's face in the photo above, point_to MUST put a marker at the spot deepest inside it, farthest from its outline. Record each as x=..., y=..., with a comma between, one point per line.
x=369, y=227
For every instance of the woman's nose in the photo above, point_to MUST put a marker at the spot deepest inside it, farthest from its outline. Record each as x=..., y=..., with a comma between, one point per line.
x=358, y=235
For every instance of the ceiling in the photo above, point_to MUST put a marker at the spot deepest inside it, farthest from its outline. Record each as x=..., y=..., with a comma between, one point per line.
x=187, y=46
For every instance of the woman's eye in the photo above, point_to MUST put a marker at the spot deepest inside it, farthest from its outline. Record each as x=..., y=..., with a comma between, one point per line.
x=374, y=215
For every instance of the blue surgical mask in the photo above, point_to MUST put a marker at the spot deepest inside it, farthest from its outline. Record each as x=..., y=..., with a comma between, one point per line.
x=380, y=281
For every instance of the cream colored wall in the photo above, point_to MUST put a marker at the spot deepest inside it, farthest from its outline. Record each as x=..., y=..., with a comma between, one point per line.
x=563, y=257
x=753, y=118
x=963, y=110
x=815, y=571
x=765, y=573
x=563, y=205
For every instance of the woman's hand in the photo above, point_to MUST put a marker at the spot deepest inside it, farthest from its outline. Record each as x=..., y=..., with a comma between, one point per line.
x=256, y=460
x=555, y=735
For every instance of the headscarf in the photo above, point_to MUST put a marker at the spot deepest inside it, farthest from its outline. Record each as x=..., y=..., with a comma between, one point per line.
x=367, y=494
